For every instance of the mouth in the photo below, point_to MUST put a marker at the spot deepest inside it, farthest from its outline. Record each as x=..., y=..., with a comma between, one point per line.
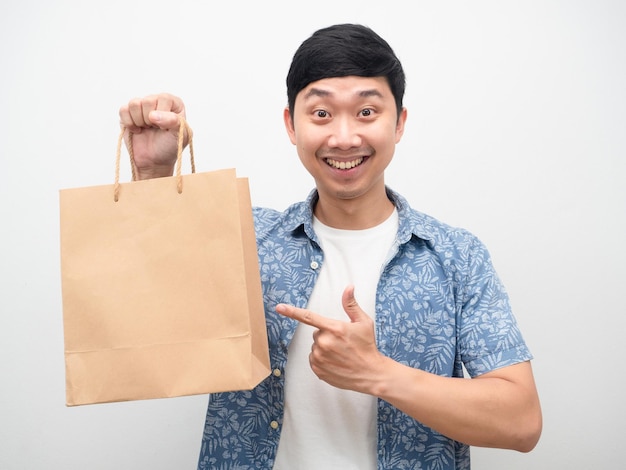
x=344, y=165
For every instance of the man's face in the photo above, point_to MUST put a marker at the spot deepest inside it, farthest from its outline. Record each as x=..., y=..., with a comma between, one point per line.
x=345, y=130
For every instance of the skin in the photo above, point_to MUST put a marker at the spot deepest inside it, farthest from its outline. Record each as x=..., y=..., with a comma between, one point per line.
x=345, y=120
x=497, y=409
x=154, y=122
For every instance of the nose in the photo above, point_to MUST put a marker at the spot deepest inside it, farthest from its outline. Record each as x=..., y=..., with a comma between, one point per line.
x=344, y=134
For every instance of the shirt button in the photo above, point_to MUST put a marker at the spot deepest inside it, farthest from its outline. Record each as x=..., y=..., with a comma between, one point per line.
x=314, y=265
x=276, y=372
x=274, y=424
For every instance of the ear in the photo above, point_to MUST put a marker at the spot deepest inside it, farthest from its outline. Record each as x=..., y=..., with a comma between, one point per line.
x=289, y=125
x=400, y=125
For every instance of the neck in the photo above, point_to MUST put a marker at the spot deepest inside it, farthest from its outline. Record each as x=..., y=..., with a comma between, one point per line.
x=353, y=214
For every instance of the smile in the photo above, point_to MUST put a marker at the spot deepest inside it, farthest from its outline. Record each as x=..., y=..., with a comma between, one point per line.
x=344, y=165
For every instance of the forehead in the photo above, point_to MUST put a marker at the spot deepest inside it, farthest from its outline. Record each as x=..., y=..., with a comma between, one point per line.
x=346, y=88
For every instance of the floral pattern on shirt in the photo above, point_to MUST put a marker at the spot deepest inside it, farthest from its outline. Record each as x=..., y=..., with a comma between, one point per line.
x=440, y=306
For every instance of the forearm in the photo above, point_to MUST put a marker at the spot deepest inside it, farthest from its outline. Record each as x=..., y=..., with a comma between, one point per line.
x=500, y=409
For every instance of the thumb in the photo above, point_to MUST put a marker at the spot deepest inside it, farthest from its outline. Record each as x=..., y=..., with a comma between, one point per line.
x=164, y=120
x=171, y=121
x=351, y=306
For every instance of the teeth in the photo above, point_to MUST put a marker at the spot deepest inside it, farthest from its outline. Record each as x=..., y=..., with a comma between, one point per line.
x=344, y=165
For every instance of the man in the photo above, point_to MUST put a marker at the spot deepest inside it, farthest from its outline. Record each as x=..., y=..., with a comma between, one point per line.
x=375, y=383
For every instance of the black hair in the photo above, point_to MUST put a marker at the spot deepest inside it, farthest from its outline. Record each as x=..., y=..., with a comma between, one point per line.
x=343, y=50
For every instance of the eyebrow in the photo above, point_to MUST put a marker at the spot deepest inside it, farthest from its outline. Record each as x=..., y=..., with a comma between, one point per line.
x=323, y=93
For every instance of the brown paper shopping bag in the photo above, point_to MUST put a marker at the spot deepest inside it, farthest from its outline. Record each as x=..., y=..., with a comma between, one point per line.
x=161, y=289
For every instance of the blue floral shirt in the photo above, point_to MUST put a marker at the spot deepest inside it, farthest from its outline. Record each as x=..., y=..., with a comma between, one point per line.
x=439, y=306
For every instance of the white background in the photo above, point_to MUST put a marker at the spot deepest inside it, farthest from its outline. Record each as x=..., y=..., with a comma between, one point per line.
x=516, y=131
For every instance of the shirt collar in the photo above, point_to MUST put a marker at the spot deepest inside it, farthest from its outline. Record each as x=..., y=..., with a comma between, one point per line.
x=299, y=217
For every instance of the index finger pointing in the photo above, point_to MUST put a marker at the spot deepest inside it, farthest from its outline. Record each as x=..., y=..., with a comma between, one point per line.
x=304, y=316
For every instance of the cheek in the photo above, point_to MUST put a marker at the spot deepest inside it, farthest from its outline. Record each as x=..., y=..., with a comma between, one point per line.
x=391, y=136
x=308, y=140
x=381, y=140
x=306, y=151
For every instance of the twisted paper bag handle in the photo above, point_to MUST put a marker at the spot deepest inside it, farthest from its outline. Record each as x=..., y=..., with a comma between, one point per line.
x=183, y=126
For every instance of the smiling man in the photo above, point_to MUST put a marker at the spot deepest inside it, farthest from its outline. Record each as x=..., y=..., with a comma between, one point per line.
x=345, y=130
x=375, y=383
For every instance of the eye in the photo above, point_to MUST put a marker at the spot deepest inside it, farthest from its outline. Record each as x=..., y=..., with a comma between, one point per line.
x=366, y=112
x=321, y=113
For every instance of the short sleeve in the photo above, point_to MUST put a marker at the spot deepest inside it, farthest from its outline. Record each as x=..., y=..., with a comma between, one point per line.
x=489, y=335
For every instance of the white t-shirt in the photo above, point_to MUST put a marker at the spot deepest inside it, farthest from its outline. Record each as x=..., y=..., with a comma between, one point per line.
x=326, y=427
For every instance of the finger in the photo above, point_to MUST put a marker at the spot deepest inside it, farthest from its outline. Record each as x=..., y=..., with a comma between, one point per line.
x=147, y=105
x=305, y=316
x=351, y=306
x=167, y=102
x=164, y=120
x=132, y=115
x=166, y=111
x=161, y=110
x=126, y=118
